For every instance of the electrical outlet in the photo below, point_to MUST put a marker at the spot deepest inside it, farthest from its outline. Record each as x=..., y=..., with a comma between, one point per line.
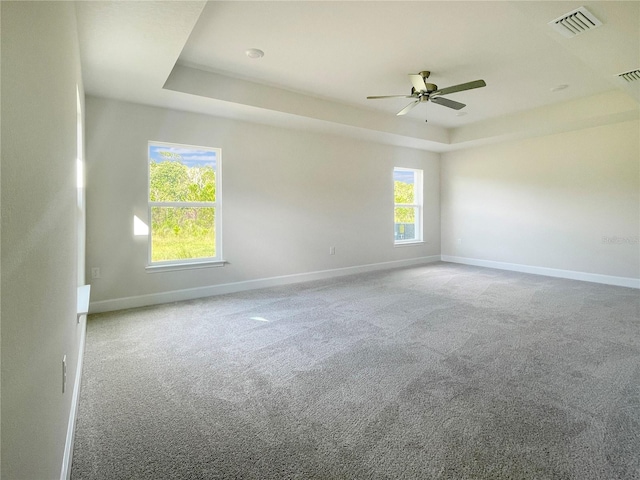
x=95, y=272
x=64, y=373
x=332, y=250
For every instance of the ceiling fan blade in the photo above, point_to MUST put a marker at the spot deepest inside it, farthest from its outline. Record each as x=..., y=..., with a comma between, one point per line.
x=417, y=82
x=389, y=96
x=461, y=87
x=448, y=103
x=406, y=109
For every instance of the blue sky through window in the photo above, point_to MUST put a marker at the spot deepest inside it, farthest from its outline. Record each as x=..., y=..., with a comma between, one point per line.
x=403, y=176
x=191, y=157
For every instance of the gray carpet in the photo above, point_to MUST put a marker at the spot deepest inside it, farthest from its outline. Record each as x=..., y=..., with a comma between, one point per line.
x=437, y=372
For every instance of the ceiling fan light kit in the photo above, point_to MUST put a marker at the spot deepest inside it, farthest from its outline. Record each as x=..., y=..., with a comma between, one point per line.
x=423, y=92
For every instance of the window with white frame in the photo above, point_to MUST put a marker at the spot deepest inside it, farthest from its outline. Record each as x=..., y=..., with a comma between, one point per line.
x=184, y=204
x=407, y=193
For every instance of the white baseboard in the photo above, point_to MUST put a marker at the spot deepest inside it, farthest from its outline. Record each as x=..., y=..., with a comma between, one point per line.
x=549, y=272
x=199, y=292
x=65, y=474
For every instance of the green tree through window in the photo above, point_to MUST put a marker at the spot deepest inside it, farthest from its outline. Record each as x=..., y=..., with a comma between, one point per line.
x=183, y=203
x=407, y=193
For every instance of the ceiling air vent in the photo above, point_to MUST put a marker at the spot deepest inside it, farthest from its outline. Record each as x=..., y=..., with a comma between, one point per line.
x=576, y=22
x=632, y=76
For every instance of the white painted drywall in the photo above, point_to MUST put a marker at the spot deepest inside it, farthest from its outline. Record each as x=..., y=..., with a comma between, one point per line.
x=40, y=71
x=212, y=85
x=287, y=197
x=567, y=201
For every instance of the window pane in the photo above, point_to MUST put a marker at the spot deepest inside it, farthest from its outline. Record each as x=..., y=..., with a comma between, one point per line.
x=405, y=223
x=181, y=174
x=179, y=233
x=403, y=186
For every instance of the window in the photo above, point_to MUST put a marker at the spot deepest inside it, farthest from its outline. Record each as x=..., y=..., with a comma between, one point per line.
x=184, y=204
x=81, y=215
x=407, y=193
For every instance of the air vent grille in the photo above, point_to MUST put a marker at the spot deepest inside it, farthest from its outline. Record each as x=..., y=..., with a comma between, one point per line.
x=632, y=76
x=576, y=22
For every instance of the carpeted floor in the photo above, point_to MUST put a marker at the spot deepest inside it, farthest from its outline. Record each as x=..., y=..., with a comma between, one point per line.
x=436, y=372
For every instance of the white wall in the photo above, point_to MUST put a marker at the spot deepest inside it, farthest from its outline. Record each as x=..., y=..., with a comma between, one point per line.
x=40, y=71
x=287, y=197
x=551, y=201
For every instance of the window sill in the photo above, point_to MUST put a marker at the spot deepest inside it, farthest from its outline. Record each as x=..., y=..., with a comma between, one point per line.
x=408, y=243
x=170, y=267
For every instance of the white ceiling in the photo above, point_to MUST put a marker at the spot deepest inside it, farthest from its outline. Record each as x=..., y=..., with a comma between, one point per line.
x=323, y=58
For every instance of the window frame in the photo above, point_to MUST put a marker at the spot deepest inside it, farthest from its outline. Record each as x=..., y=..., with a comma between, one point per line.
x=418, y=205
x=180, y=264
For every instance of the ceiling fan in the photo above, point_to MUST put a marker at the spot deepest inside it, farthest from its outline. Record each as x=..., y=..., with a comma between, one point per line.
x=423, y=92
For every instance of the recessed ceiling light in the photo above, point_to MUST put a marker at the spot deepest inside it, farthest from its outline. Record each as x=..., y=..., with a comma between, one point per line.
x=254, y=53
x=557, y=88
